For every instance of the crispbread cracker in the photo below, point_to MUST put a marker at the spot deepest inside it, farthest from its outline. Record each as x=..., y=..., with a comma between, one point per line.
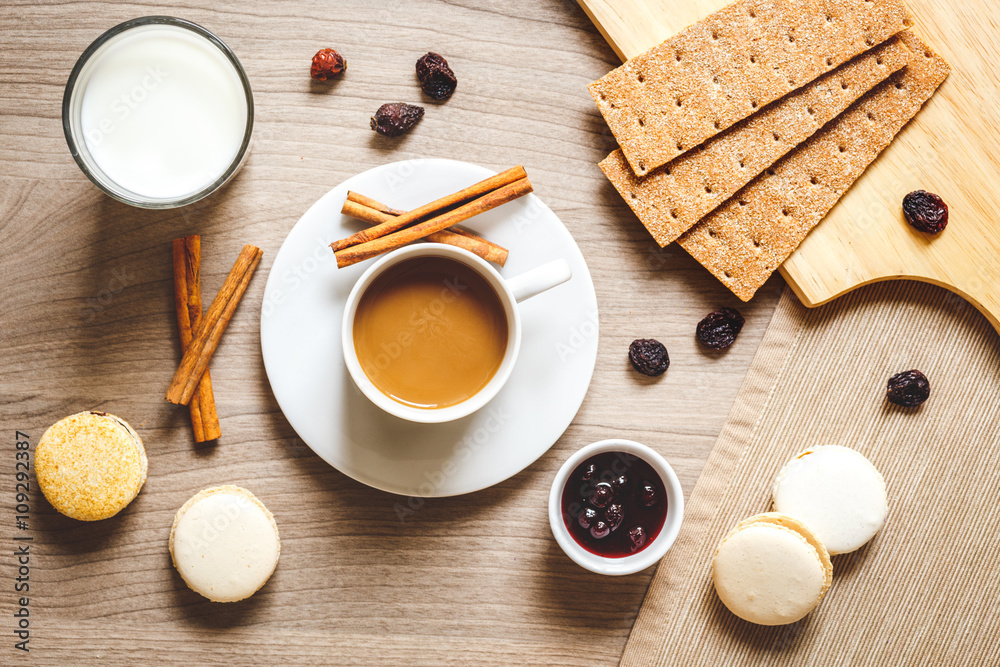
x=743, y=241
x=724, y=68
x=671, y=199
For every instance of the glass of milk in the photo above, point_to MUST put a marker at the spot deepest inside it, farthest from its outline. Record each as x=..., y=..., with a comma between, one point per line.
x=158, y=112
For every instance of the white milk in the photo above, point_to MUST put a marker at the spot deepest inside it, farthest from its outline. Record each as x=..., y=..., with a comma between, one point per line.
x=164, y=112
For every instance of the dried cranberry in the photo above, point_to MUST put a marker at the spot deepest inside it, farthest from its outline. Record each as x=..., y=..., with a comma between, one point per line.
x=925, y=211
x=600, y=530
x=648, y=356
x=327, y=64
x=637, y=537
x=614, y=516
x=719, y=329
x=587, y=517
x=908, y=389
x=395, y=118
x=601, y=495
x=436, y=78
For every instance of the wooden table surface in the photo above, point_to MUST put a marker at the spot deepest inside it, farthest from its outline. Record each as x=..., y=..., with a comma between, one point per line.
x=88, y=323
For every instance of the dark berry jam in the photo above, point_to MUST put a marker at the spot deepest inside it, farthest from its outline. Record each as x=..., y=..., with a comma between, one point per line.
x=614, y=504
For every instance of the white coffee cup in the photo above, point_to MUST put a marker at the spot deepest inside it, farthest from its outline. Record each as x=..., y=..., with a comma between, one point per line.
x=510, y=291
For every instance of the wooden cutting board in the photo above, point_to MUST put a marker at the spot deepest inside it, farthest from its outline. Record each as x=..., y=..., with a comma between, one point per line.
x=952, y=148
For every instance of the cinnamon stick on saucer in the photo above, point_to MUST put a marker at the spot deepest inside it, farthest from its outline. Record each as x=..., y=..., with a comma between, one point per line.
x=352, y=254
x=213, y=325
x=435, y=207
x=368, y=202
x=373, y=212
x=187, y=300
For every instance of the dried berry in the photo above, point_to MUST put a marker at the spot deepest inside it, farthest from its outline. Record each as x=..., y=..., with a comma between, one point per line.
x=637, y=537
x=719, y=329
x=436, y=78
x=600, y=530
x=620, y=483
x=908, y=389
x=613, y=516
x=395, y=118
x=327, y=64
x=587, y=518
x=648, y=356
x=601, y=495
x=648, y=494
x=925, y=211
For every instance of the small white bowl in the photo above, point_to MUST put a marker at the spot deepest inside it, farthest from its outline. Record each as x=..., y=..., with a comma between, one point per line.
x=660, y=544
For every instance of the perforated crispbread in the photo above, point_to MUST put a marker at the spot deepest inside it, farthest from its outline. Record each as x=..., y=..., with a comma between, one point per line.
x=743, y=241
x=724, y=68
x=671, y=199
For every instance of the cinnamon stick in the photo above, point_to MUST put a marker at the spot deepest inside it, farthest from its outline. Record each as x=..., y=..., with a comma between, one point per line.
x=378, y=213
x=208, y=334
x=490, y=200
x=187, y=300
x=434, y=208
x=368, y=202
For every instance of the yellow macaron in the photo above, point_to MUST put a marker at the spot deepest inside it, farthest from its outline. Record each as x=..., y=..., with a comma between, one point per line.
x=771, y=569
x=90, y=465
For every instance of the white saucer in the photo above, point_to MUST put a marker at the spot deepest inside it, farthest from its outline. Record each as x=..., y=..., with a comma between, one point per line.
x=300, y=340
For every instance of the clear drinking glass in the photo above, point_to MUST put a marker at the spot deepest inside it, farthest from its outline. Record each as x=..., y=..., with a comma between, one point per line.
x=81, y=145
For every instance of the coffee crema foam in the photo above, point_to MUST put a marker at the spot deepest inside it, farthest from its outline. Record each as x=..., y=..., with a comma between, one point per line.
x=430, y=332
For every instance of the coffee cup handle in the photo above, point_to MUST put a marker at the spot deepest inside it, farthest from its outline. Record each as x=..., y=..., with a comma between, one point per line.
x=539, y=279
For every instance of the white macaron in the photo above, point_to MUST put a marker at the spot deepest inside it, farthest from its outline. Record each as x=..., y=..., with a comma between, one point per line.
x=224, y=543
x=835, y=491
x=771, y=570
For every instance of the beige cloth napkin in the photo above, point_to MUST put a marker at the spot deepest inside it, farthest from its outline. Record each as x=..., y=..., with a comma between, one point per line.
x=925, y=590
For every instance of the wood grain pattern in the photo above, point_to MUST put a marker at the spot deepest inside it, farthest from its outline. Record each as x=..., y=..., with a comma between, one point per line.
x=944, y=149
x=88, y=322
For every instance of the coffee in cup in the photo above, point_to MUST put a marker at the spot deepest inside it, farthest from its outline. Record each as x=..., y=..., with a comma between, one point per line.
x=430, y=332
